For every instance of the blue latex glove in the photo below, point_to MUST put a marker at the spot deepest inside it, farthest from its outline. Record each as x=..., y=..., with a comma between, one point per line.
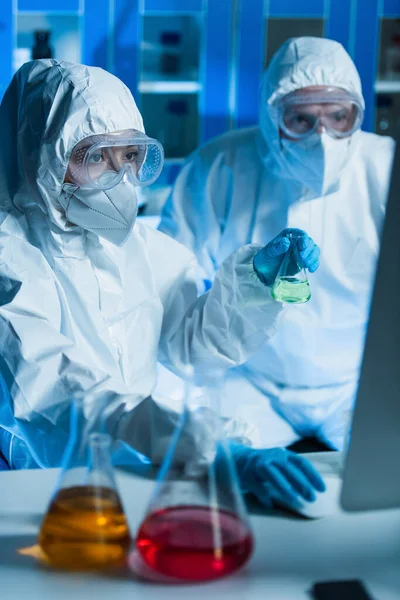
x=268, y=260
x=276, y=475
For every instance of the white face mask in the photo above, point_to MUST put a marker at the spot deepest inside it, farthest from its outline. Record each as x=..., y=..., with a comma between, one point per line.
x=109, y=214
x=316, y=162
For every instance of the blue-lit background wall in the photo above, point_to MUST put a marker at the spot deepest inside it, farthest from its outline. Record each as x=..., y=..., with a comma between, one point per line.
x=194, y=66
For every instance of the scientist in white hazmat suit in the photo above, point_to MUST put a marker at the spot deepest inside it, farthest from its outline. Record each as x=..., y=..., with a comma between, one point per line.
x=89, y=299
x=307, y=164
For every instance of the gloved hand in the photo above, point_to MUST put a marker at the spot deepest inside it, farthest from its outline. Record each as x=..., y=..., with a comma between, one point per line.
x=268, y=260
x=276, y=475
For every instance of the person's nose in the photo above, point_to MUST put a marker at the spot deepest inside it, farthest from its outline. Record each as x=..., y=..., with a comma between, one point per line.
x=112, y=161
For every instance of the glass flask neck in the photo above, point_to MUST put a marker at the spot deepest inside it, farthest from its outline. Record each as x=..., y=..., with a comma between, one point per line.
x=86, y=427
x=204, y=388
x=100, y=471
x=87, y=456
x=293, y=237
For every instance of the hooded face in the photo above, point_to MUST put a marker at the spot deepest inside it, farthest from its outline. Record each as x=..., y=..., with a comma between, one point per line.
x=99, y=191
x=48, y=109
x=313, y=142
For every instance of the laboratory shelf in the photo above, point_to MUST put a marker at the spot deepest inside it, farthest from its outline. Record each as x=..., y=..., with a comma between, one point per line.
x=383, y=86
x=50, y=6
x=195, y=66
x=169, y=87
x=49, y=13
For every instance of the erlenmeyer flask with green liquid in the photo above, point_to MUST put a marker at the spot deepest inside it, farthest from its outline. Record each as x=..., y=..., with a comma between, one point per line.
x=291, y=284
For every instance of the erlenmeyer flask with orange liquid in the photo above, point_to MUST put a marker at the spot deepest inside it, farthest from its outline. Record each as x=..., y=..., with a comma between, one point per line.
x=196, y=527
x=85, y=526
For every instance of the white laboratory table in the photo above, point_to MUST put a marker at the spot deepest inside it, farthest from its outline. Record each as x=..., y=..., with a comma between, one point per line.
x=290, y=554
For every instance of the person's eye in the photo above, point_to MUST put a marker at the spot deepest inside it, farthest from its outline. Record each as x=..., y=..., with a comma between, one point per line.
x=342, y=116
x=96, y=158
x=132, y=156
x=301, y=123
x=303, y=120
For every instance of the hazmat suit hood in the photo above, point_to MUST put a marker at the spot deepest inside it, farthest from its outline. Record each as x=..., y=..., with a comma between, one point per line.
x=299, y=63
x=47, y=109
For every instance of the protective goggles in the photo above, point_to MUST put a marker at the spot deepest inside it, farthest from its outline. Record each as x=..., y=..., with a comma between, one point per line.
x=102, y=161
x=337, y=111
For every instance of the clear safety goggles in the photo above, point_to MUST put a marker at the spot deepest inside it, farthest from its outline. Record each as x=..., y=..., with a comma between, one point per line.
x=102, y=161
x=303, y=113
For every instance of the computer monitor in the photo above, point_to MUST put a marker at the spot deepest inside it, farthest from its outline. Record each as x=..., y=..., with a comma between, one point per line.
x=371, y=478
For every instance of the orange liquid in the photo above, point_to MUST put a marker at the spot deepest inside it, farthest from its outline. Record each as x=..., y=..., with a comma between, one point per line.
x=85, y=528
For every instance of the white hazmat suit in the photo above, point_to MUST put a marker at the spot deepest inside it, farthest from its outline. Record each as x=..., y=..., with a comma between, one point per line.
x=244, y=187
x=81, y=315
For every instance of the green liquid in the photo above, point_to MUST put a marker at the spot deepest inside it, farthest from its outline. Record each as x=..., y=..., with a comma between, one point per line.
x=289, y=289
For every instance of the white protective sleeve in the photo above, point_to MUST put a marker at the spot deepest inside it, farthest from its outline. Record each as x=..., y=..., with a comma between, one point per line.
x=44, y=368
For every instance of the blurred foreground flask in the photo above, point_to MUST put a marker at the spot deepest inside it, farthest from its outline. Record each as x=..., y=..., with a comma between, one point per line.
x=85, y=526
x=291, y=284
x=196, y=527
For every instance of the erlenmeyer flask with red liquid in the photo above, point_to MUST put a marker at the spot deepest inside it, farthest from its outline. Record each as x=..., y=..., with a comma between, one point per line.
x=85, y=526
x=196, y=527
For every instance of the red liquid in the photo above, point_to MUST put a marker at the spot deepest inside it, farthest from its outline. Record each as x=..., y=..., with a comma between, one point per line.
x=194, y=543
